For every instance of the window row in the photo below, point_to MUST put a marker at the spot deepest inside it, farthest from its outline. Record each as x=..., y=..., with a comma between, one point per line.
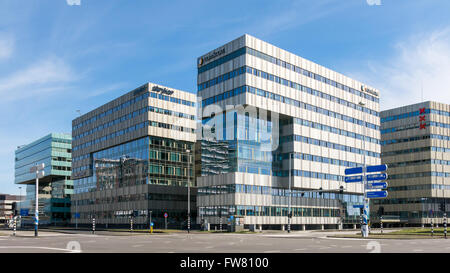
x=132, y=115
x=133, y=128
x=131, y=102
x=327, y=144
x=334, y=130
x=296, y=103
x=288, y=83
x=286, y=65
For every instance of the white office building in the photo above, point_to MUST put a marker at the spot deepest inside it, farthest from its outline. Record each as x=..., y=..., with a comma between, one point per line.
x=261, y=105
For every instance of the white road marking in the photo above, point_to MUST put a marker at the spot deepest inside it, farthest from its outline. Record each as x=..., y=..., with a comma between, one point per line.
x=348, y=239
x=41, y=247
x=300, y=249
x=272, y=251
x=138, y=245
x=417, y=250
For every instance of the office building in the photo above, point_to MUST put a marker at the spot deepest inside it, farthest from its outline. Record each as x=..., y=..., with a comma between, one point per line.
x=415, y=144
x=130, y=159
x=8, y=206
x=56, y=187
x=261, y=105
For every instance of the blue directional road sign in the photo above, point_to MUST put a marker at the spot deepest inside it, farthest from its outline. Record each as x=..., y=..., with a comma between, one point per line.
x=376, y=168
x=358, y=206
x=353, y=170
x=24, y=212
x=377, y=194
x=377, y=185
x=377, y=176
x=353, y=179
x=77, y=215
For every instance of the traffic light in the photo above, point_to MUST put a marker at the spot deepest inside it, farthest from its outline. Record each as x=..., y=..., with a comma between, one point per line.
x=303, y=194
x=320, y=191
x=341, y=189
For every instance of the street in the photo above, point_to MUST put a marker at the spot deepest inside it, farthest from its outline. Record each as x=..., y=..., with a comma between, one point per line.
x=267, y=242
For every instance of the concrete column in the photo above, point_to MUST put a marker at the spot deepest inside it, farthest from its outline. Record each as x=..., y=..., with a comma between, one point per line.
x=354, y=226
x=322, y=227
x=303, y=227
x=260, y=228
x=282, y=227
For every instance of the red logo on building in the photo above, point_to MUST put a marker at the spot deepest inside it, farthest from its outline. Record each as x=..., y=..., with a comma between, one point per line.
x=422, y=118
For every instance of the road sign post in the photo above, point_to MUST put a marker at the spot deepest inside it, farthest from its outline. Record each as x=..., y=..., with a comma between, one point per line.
x=165, y=219
x=362, y=177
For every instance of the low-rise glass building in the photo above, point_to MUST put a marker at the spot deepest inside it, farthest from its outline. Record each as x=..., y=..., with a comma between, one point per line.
x=131, y=159
x=56, y=187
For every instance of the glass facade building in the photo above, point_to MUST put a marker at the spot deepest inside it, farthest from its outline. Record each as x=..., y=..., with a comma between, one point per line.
x=133, y=158
x=270, y=118
x=56, y=187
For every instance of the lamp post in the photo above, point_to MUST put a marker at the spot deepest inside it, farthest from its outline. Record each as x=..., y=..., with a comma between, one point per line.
x=364, y=180
x=39, y=170
x=290, y=194
x=189, y=192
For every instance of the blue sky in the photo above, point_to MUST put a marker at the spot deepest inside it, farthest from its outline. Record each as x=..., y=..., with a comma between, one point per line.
x=57, y=58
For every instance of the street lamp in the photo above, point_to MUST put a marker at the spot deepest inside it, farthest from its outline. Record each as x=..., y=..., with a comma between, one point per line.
x=39, y=170
x=290, y=194
x=364, y=180
x=189, y=191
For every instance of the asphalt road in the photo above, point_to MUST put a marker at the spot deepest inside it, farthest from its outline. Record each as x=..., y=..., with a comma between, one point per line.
x=295, y=242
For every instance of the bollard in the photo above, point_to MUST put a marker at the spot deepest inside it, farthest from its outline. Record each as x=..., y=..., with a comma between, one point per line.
x=381, y=221
x=445, y=225
x=14, y=226
x=432, y=228
x=93, y=225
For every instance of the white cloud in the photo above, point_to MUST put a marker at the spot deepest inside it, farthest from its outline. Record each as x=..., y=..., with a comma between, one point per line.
x=422, y=60
x=6, y=46
x=73, y=2
x=44, y=76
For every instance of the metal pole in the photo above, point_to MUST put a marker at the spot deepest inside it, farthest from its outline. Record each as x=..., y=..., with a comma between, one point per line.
x=290, y=196
x=20, y=205
x=76, y=214
x=445, y=225
x=189, y=192
x=36, y=210
x=366, y=205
